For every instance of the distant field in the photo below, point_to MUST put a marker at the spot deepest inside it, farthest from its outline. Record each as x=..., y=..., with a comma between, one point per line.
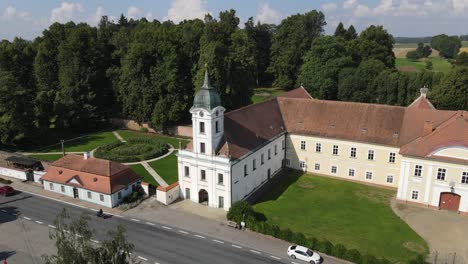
x=438, y=64
x=400, y=49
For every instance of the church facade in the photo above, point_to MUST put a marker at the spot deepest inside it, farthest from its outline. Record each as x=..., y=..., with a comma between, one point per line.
x=418, y=150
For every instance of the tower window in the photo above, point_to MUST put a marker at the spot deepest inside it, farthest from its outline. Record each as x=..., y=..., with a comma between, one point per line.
x=202, y=127
x=202, y=147
x=216, y=127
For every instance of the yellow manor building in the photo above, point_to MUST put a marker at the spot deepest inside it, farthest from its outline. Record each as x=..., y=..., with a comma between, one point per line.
x=418, y=150
x=421, y=151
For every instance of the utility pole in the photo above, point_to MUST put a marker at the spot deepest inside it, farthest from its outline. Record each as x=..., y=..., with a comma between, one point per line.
x=63, y=149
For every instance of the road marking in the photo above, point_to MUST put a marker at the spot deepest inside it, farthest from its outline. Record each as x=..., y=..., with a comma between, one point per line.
x=217, y=241
x=294, y=262
x=27, y=218
x=183, y=232
x=135, y=220
x=4, y=211
x=95, y=210
x=117, y=215
x=165, y=227
x=94, y=241
x=275, y=257
x=255, y=251
x=236, y=246
x=199, y=236
x=39, y=222
x=148, y=223
x=51, y=226
x=142, y=258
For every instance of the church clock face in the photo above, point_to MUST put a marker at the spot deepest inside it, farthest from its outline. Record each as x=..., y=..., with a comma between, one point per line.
x=201, y=113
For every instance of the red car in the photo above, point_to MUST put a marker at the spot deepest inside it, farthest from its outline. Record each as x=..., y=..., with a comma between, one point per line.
x=7, y=190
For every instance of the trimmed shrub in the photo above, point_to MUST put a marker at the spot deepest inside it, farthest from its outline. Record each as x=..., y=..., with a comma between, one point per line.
x=338, y=250
x=240, y=211
x=135, y=149
x=353, y=255
x=286, y=234
x=418, y=260
x=369, y=259
x=325, y=247
x=299, y=238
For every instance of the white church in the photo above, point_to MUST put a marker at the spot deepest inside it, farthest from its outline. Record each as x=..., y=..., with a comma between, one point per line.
x=418, y=150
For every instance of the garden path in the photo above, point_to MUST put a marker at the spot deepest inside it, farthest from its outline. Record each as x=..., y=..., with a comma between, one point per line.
x=118, y=136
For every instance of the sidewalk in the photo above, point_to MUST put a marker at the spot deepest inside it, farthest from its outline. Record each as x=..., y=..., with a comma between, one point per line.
x=30, y=187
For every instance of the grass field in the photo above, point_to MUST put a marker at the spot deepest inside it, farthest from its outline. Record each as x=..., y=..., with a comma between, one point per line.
x=438, y=64
x=355, y=215
x=83, y=143
x=140, y=170
x=166, y=168
x=263, y=94
x=127, y=134
x=47, y=157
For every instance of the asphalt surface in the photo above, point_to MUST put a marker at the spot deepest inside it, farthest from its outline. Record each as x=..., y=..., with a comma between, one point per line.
x=154, y=243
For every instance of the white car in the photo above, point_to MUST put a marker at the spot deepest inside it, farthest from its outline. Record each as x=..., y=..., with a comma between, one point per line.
x=303, y=253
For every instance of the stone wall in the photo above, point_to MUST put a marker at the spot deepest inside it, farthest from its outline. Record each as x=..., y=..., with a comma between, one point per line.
x=183, y=131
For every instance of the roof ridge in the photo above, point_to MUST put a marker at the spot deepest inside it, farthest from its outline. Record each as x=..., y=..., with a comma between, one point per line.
x=343, y=102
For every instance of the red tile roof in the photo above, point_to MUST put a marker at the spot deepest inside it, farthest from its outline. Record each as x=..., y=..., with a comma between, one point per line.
x=169, y=187
x=93, y=174
x=452, y=132
x=300, y=92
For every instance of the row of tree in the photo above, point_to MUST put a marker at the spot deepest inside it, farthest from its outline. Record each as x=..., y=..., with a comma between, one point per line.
x=76, y=75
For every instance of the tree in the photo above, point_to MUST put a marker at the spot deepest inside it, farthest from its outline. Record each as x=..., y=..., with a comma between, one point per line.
x=291, y=41
x=452, y=92
x=448, y=47
x=261, y=35
x=73, y=243
x=351, y=33
x=374, y=43
x=340, y=31
x=461, y=59
x=429, y=65
x=355, y=84
x=322, y=64
x=413, y=55
x=230, y=57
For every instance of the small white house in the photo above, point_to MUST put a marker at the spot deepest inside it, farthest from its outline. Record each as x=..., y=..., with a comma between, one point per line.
x=98, y=181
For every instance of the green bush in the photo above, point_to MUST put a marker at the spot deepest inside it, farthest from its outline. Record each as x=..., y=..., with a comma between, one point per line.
x=286, y=234
x=5, y=181
x=325, y=247
x=135, y=149
x=240, y=211
x=369, y=259
x=353, y=255
x=339, y=250
x=418, y=260
x=299, y=238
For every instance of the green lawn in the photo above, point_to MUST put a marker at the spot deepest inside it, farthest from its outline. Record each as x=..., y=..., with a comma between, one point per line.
x=47, y=157
x=84, y=143
x=127, y=134
x=438, y=64
x=140, y=170
x=166, y=168
x=263, y=94
x=355, y=215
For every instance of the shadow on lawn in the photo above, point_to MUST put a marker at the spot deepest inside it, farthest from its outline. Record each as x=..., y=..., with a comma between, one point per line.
x=275, y=187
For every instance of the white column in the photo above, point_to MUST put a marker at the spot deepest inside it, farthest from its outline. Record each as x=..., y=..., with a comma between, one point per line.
x=402, y=180
x=428, y=184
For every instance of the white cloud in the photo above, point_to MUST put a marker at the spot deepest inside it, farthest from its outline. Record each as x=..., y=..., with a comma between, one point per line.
x=459, y=6
x=361, y=11
x=66, y=12
x=348, y=4
x=97, y=16
x=268, y=15
x=11, y=13
x=329, y=6
x=133, y=12
x=384, y=8
x=186, y=9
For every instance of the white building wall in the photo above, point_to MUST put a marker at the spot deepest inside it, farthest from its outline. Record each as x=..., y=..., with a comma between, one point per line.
x=19, y=174
x=428, y=186
x=108, y=201
x=213, y=165
x=242, y=186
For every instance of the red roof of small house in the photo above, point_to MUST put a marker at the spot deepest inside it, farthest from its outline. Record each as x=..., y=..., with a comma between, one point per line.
x=169, y=187
x=93, y=174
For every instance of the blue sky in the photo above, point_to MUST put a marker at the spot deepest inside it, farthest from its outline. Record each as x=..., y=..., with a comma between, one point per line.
x=27, y=19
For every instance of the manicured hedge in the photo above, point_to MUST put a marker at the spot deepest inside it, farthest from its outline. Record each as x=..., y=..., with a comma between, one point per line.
x=243, y=211
x=135, y=149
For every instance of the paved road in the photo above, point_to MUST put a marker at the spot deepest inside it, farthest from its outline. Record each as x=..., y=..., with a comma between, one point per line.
x=154, y=243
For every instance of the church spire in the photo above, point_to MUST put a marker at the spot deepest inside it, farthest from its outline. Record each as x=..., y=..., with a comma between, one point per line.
x=206, y=82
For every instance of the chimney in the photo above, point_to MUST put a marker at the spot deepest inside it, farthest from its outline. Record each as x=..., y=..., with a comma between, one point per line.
x=86, y=155
x=427, y=128
x=424, y=91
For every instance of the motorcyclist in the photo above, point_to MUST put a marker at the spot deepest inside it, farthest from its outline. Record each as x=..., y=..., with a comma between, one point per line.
x=100, y=213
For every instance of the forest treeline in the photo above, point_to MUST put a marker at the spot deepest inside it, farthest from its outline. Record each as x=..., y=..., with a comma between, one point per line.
x=77, y=75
